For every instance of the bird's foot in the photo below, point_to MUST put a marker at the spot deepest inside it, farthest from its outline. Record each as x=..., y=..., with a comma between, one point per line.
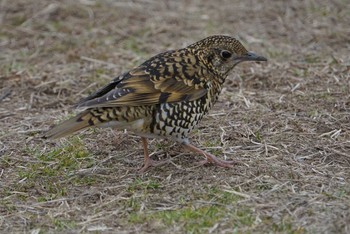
x=151, y=163
x=209, y=158
x=214, y=160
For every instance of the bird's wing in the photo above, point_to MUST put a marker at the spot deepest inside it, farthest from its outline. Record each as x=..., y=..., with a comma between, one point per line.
x=145, y=86
x=102, y=91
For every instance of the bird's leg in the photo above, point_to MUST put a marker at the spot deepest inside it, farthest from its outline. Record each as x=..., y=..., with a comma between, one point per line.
x=209, y=157
x=148, y=162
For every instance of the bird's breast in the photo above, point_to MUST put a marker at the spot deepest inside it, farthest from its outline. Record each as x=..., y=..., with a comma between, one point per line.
x=177, y=120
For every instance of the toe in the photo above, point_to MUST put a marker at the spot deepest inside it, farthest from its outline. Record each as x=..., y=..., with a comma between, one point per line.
x=151, y=163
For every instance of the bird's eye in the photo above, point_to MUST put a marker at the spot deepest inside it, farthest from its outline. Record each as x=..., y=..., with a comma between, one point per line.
x=225, y=54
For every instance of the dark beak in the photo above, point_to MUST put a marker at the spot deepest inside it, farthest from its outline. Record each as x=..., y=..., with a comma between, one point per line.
x=250, y=56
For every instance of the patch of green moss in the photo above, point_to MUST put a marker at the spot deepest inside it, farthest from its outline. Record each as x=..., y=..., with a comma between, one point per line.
x=51, y=172
x=196, y=217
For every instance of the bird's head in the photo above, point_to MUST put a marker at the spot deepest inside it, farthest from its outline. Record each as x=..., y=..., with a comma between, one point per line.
x=223, y=53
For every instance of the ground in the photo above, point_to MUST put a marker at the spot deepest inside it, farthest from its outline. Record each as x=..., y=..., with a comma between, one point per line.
x=286, y=121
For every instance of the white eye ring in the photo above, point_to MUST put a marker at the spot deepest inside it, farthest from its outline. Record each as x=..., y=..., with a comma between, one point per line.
x=225, y=54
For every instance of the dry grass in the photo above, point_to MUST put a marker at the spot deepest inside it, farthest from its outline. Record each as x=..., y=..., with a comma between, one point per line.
x=287, y=121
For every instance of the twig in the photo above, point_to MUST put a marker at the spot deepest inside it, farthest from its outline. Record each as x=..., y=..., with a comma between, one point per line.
x=97, y=61
x=237, y=193
x=5, y=94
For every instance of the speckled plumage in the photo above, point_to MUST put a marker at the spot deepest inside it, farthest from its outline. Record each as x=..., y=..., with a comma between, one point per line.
x=166, y=96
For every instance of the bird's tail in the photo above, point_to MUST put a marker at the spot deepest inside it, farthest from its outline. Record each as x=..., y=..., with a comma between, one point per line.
x=79, y=122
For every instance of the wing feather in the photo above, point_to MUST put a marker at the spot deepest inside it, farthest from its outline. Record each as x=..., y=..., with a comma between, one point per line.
x=144, y=86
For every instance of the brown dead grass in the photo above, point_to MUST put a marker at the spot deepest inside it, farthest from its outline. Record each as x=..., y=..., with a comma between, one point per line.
x=287, y=121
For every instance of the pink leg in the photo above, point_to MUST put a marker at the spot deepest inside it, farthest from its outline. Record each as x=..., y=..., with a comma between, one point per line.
x=148, y=162
x=209, y=157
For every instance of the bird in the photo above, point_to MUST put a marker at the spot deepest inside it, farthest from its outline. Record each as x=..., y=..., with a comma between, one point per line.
x=164, y=97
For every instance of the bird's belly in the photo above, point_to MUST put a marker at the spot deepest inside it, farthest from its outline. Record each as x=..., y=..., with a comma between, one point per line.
x=176, y=120
x=135, y=125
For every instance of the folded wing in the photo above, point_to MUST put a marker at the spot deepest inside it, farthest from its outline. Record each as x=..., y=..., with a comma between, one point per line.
x=139, y=87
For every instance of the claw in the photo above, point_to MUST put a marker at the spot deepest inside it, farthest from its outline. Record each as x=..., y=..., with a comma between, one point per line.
x=209, y=158
x=150, y=163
